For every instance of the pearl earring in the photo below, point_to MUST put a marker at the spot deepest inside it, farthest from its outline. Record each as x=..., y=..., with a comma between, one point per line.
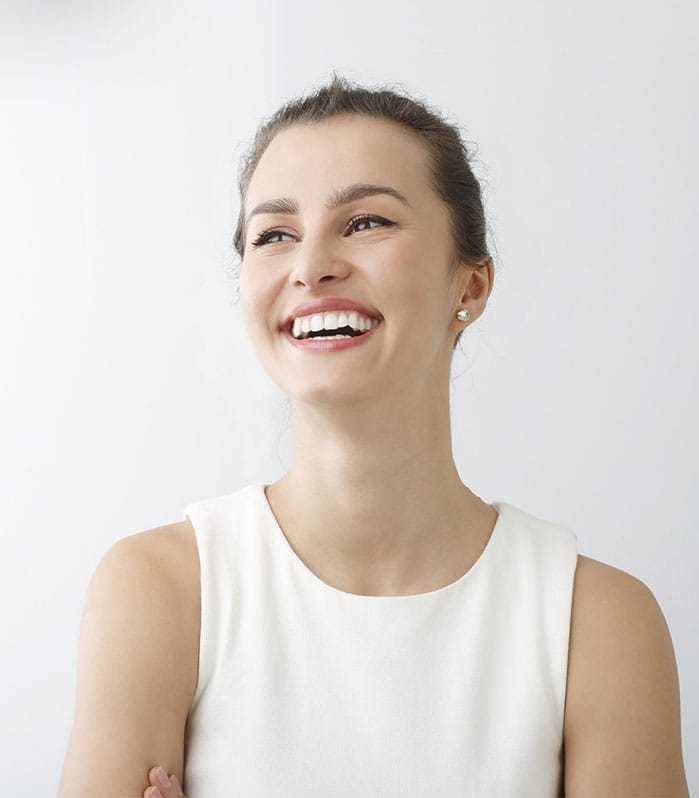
x=462, y=315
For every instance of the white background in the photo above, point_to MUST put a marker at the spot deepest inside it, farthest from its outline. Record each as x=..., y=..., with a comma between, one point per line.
x=129, y=387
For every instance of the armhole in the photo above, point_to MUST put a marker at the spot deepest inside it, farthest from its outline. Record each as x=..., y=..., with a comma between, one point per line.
x=197, y=587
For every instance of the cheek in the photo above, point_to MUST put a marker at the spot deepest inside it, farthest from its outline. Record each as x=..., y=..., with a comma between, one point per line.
x=255, y=297
x=247, y=307
x=413, y=294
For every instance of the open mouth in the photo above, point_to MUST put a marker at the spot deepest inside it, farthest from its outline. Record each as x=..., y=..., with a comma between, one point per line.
x=331, y=326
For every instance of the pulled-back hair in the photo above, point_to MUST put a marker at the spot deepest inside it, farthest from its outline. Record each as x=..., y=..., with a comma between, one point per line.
x=449, y=161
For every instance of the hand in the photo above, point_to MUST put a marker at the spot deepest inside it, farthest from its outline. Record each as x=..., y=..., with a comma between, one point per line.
x=158, y=790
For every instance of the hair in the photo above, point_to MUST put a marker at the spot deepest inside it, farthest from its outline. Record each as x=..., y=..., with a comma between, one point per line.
x=451, y=176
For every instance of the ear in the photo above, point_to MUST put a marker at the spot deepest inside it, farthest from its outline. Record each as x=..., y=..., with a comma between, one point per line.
x=475, y=285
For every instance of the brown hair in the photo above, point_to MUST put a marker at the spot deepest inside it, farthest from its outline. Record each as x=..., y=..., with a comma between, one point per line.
x=452, y=178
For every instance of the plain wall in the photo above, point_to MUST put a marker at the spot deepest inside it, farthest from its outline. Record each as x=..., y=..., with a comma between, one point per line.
x=129, y=387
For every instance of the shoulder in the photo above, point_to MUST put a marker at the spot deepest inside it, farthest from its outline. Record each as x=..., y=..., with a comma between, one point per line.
x=168, y=557
x=162, y=560
x=137, y=662
x=153, y=578
x=170, y=550
x=611, y=611
x=622, y=713
x=598, y=584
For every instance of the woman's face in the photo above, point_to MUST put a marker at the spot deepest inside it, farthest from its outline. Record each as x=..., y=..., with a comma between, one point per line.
x=393, y=261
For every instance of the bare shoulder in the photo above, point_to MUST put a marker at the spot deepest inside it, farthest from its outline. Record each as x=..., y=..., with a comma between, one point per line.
x=172, y=551
x=137, y=664
x=622, y=714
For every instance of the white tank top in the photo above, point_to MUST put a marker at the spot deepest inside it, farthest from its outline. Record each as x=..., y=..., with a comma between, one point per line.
x=306, y=690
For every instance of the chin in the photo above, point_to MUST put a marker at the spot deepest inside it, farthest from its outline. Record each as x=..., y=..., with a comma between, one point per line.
x=325, y=394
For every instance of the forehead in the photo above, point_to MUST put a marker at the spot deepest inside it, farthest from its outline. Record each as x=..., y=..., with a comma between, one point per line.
x=350, y=148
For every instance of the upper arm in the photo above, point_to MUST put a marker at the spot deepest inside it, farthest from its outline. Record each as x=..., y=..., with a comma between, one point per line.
x=134, y=675
x=622, y=716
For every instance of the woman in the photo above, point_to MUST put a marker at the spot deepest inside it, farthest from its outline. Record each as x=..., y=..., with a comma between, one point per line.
x=367, y=625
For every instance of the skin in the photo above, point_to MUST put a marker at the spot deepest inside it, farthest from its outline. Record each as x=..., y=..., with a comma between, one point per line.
x=372, y=503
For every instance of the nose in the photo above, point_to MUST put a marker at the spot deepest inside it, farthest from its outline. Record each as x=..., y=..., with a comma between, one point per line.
x=315, y=264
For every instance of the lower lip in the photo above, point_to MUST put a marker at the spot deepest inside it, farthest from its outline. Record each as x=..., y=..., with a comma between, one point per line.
x=330, y=344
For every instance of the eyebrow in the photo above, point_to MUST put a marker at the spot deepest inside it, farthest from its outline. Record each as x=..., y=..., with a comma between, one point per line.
x=340, y=197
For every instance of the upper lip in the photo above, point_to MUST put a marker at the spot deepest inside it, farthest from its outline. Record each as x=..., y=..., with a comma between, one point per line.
x=327, y=304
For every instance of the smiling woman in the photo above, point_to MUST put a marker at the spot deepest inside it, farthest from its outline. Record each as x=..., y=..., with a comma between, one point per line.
x=367, y=625
x=353, y=217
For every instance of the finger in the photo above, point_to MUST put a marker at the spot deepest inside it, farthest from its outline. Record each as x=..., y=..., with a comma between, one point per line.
x=167, y=787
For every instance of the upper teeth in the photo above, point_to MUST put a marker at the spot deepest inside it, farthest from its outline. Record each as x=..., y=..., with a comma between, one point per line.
x=332, y=320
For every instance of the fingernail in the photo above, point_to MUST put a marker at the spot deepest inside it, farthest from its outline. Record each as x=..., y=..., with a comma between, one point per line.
x=155, y=793
x=162, y=777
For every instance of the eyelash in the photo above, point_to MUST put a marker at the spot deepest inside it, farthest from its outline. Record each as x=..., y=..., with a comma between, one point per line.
x=263, y=238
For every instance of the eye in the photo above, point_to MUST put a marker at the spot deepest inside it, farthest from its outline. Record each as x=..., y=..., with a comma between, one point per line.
x=366, y=218
x=264, y=237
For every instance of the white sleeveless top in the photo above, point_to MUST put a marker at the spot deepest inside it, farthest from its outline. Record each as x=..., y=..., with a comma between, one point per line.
x=306, y=690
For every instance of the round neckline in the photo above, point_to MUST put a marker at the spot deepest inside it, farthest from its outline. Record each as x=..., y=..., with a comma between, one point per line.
x=299, y=564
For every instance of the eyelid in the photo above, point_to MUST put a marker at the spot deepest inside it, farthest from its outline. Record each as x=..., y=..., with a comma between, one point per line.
x=361, y=217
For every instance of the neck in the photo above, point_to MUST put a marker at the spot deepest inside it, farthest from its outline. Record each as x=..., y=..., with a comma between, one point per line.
x=373, y=497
